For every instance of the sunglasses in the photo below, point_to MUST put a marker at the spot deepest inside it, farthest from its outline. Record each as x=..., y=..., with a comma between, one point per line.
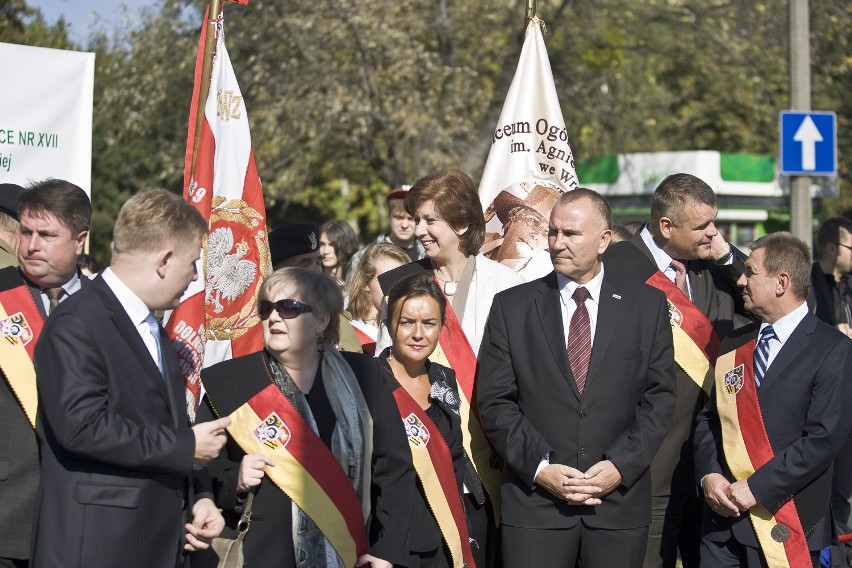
x=287, y=309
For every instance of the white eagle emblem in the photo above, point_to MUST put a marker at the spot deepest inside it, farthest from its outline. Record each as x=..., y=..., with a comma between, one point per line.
x=675, y=315
x=418, y=434
x=313, y=238
x=228, y=273
x=16, y=329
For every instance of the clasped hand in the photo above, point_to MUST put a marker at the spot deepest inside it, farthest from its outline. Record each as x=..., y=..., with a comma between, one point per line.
x=577, y=487
x=725, y=498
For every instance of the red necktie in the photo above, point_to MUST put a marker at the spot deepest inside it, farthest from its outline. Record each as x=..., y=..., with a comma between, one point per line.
x=680, y=277
x=580, y=339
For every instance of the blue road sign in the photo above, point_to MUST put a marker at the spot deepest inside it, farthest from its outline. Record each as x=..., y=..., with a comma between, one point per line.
x=808, y=143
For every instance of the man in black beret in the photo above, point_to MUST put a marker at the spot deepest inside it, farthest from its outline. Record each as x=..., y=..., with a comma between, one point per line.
x=9, y=227
x=297, y=245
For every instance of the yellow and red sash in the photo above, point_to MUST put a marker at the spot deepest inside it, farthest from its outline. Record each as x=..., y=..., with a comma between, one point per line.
x=20, y=326
x=454, y=351
x=304, y=469
x=368, y=344
x=747, y=448
x=434, y=466
x=695, y=341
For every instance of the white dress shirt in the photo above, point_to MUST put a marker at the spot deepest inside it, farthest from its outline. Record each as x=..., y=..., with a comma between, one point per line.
x=135, y=309
x=662, y=258
x=784, y=328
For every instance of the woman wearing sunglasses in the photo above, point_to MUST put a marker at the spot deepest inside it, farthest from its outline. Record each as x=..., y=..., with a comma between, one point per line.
x=428, y=403
x=315, y=438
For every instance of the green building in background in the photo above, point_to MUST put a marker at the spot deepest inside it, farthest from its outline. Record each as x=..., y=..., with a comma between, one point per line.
x=751, y=198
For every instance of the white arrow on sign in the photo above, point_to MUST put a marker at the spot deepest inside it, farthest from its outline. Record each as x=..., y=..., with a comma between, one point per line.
x=808, y=134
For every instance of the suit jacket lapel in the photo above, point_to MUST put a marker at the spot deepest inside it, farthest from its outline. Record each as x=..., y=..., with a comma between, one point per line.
x=35, y=292
x=639, y=243
x=793, y=348
x=549, y=310
x=173, y=379
x=609, y=309
x=130, y=334
x=702, y=288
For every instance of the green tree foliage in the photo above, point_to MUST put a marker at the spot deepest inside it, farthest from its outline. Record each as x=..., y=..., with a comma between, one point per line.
x=22, y=24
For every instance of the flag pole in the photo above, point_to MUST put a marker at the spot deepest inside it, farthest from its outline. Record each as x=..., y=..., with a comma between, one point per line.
x=206, y=70
x=532, y=11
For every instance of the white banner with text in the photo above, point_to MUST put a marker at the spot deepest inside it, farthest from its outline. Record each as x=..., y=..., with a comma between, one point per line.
x=46, y=115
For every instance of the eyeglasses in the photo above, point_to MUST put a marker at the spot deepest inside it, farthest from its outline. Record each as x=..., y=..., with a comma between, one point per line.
x=287, y=309
x=844, y=246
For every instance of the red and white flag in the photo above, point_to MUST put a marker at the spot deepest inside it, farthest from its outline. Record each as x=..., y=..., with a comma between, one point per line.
x=217, y=317
x=529, y=165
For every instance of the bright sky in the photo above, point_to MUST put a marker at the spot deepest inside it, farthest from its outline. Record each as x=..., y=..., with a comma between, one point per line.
x=85, y=16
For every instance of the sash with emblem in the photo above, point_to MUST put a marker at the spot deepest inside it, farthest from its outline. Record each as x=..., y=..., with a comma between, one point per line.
x=747, y=448
x=434, y=467
x=454, y=351
x=305, y=469
x=695, y=341
x=20, y=326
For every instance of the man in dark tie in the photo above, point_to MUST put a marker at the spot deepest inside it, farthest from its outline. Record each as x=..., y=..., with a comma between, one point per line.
x=765, y=443
x=576, y=390
x=681, y=252
x=121, y=482
x=54, y=222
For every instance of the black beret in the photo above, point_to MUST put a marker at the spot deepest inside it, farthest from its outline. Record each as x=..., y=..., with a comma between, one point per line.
x=391, y=277
x=9, y=198
x=292, y=240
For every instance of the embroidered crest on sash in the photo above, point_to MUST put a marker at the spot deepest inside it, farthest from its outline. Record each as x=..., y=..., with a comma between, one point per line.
x=734, y=380
x=16, y=330
x=675, y=315
x=418, y=434
x=273, y=433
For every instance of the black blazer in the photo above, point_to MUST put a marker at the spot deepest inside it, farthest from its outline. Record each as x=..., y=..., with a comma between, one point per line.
x=530, y=405
x=824, y=299
x=19, y=466
x=269, y=542
x=426, y=535
x=715, y=293
x=804, y=399
x=117, y=451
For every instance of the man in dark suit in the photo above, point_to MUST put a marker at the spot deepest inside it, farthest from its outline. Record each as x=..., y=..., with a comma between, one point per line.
x=831, y=300
x=706, y=305
x=576, y=390
x=765, y=443
x=54, y=222
x=831, y=291
x=117, y=480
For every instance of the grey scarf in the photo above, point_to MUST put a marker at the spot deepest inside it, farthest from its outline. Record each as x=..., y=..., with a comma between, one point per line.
x=351, y=445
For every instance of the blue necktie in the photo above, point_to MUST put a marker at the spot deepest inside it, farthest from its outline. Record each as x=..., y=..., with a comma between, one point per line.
x=761, y=353
x=155, y=333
